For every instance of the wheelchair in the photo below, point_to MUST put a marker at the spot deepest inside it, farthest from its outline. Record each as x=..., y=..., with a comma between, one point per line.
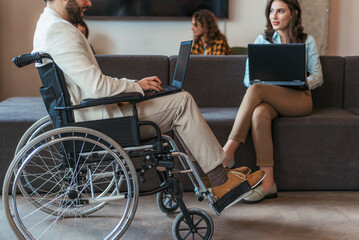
x=77, y=180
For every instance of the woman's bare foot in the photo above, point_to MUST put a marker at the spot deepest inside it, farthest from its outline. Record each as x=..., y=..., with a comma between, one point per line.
x=268, y=181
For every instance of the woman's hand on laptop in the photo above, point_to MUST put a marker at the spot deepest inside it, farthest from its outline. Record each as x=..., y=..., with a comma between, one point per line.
x=150, y=84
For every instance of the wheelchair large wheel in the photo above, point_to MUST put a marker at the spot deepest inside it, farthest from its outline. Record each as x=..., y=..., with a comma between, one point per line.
x=202, y=226
x=39, y=127
x=70, y=174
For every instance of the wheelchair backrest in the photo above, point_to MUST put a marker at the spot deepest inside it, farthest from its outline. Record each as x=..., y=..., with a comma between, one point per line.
x=54, y=93
x=124, y=130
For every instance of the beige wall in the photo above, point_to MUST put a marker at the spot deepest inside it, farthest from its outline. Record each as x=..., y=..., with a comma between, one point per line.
x=17, y=25
x=343, y=28
x=18, y=19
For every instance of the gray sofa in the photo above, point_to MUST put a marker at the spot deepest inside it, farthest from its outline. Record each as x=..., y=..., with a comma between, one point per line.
x=315, y=152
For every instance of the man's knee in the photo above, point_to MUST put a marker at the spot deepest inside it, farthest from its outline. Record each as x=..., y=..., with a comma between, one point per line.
x=186, y=97
x=186, y=94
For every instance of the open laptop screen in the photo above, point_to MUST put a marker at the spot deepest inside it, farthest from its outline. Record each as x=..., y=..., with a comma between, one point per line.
x=182, y=63
x=276, y=62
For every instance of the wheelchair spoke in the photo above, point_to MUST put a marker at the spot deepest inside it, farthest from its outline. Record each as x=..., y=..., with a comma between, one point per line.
x=50, y=191
x=46, y=181
x=41, y=176
x=53, y=222
x=66, y=175
x=188, y=233
x=199, y=221
x=43, y=206
x=168, y=202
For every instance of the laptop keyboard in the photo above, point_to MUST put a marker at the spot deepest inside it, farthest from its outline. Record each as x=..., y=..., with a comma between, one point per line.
x=165, y=89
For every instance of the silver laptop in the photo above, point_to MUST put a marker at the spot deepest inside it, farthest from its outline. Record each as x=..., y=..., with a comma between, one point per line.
x=277, y=64
x=179, y=73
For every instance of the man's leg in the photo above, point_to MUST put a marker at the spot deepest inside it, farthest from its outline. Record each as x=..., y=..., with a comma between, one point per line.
x=180, y=112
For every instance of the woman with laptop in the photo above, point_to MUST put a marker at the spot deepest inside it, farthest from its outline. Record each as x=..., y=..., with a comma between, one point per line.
x=264, y=102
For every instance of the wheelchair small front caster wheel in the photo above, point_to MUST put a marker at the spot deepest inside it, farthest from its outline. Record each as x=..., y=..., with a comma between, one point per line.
x=202, y=226
x=166, y=201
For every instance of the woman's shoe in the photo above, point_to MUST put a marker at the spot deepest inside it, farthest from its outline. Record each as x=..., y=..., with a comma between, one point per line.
x=259, y=195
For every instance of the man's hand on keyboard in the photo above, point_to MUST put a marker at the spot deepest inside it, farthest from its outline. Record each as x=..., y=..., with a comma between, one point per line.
x=150, y=84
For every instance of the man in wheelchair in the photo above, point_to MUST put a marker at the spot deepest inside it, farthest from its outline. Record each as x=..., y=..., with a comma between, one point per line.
x=56, y=35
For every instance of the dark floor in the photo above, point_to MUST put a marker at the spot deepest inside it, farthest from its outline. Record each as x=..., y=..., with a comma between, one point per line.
x=293, y=215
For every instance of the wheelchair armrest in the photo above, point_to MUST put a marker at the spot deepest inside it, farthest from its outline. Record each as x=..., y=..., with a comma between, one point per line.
x=123, y=97
x=92, y=102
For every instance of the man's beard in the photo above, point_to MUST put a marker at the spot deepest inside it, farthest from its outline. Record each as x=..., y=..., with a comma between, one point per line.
x=74, y=12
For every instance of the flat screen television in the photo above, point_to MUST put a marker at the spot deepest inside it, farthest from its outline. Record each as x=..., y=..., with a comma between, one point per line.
x=154, y=8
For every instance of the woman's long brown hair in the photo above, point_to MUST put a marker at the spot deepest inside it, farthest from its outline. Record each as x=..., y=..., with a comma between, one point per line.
x=296, y=34
x=208, y=22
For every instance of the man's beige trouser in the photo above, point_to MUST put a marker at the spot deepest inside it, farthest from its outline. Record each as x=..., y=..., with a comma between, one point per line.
x=179, y=112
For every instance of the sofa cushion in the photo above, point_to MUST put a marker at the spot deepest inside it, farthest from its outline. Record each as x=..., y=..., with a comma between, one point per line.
x=217, y=81
x=330, y=94
x=353, y=110
x=134, y=66
x=214, y=81
x=221, y=120
x=351, y=84
x=17, y=114
x=309, y=148
x=22, y=109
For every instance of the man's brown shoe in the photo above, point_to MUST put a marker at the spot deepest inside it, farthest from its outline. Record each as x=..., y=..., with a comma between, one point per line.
x=234, y=180
x=235, y=189
x=255, y=178
x=243, y=170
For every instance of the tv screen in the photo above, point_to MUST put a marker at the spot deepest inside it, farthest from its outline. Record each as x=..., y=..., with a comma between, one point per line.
x=155, y=8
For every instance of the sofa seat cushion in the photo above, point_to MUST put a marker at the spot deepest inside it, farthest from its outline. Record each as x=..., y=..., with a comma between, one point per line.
x=24, y=101
x=17, y=114
x=221, y=120
x=354, y=110
x=219, y=113
x=22, y=109
x=325, y=141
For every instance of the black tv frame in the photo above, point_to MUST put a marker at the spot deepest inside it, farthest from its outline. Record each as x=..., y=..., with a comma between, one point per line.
x=93, y=13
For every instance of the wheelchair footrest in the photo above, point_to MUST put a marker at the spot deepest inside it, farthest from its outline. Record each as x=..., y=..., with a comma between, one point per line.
x=233, y=196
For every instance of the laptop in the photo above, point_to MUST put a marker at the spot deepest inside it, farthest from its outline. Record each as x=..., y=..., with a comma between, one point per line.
x=277, y=64
x=179, y=73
